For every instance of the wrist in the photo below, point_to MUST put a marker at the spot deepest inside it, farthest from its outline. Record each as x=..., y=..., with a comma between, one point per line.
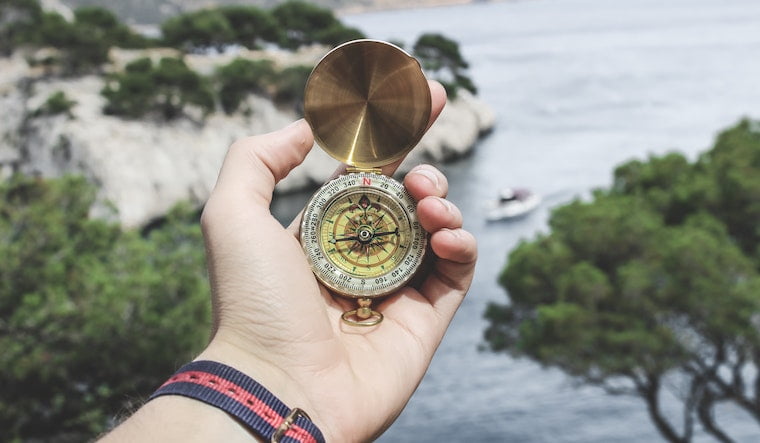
x=253, y=405
x=279, y=382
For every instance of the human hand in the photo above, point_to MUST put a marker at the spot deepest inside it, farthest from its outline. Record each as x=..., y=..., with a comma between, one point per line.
x=275, y=322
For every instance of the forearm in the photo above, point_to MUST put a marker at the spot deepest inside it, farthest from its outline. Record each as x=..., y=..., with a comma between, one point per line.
x=176, y=418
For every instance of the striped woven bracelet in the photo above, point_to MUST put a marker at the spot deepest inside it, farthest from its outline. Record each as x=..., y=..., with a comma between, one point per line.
x=242, y=397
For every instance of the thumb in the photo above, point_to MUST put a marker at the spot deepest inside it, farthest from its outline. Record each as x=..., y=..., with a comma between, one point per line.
x=254, y=165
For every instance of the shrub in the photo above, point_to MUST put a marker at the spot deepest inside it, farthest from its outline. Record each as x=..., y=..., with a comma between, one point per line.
x=92, y=318
x=103, y=24
x=290, y=84
x=440, y=56
x=251, y=26
x=303, y=23
x=198, y=30
x=338, y=34
x=240, y=78
x=165, y=90
x=18, y=19
x=56, y=103
x=85, y=41
x=83, y=47
x=291, y=25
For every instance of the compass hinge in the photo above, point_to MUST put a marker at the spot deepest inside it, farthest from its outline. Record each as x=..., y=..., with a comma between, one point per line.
x=354, y=170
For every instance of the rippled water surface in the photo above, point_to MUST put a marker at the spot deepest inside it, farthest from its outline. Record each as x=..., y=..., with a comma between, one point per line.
x=578, y=86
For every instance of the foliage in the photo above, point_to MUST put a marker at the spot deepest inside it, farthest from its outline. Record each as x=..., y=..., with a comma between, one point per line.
x=723, y=182
x=241, y=77
x=216, y=28
x=440, y=56
x=103, y=24
x=166, y=89
x=734, y=164
x=91, y=317
x=290, y=84
x=17, y=21
x=291, y=25
x=252, y=26
x=337, y=34
x=198, y=30
x=84, y=46
x=303, y=23
x=84, y=43
x=56, y=103
x=655, y=279
x=170, y=87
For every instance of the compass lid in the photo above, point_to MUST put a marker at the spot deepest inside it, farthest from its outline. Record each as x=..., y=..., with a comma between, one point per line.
x=368, y=103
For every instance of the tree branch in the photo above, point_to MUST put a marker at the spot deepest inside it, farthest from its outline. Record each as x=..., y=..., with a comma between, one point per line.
x=705, y=411
x=650, y=392
x=756, y=360
x=728, y=388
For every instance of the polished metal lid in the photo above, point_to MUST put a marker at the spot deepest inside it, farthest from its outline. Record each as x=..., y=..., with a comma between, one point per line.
x=368, y=103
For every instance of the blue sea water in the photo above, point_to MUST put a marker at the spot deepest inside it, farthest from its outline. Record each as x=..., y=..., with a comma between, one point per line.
x=578, y=86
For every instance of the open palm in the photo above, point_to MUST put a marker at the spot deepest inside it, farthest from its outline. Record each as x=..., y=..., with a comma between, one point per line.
x=274, y=321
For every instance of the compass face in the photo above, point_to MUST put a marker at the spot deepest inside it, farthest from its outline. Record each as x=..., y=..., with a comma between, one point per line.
x=361, y=235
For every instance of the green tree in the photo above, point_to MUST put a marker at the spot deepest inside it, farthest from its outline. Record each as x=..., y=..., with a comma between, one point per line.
x=440, y=56
x=303, y=24
x=290, y=84
x=655, y=279
x=130, y=93
x=57, y=103
x=166, y=90
x=724, y=182
x=91, y=317
x=84, y=42
x=734, y=164
x=18, y=19
x=251, y=26
x=242, y=77
x=198, y=30
x=83, y=47
x=338, y=34
x=102, y=24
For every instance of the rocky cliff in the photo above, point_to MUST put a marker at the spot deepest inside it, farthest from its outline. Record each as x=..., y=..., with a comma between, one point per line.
x=144, y=167
x=155, y=11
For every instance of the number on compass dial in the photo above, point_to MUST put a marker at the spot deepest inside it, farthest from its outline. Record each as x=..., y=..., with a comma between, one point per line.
x=365, y=233
x=363, y=240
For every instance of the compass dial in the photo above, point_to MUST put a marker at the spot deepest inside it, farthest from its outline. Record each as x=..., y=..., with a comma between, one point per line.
x=361, y=235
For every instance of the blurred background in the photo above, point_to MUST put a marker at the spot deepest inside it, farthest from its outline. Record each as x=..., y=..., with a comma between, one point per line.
x=606, y=154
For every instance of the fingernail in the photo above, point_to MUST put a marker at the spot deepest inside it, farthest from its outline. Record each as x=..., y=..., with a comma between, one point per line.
x=427, y=172
x=445, y=204
x=455, y=233
x=295, y=127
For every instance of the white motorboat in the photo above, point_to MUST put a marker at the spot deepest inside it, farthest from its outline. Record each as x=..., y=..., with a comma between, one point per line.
x=512, y=203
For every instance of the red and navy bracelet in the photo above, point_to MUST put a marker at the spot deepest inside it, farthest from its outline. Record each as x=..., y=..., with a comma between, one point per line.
x=242, y=397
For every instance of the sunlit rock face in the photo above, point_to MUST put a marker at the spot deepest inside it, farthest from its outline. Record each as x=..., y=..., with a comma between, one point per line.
x=454, y=134
x=143, y=167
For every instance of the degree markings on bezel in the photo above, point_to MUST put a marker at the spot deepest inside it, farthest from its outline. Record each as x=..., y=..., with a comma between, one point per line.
x=342, y=277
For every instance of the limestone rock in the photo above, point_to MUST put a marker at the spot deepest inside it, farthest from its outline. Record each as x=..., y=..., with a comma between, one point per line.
x=454, y=134
x=143, y=168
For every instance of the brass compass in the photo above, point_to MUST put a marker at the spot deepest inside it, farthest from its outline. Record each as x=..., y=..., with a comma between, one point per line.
x=368, y=104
